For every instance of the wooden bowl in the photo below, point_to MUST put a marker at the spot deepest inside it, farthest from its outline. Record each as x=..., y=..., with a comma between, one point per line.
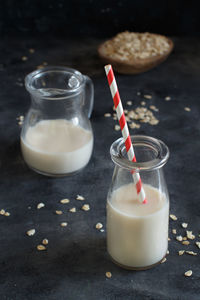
x=132, y=64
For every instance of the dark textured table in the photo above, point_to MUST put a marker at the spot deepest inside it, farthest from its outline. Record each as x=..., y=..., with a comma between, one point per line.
x=74, y=265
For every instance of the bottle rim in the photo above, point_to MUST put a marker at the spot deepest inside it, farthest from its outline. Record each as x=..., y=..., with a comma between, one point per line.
x=159, y=148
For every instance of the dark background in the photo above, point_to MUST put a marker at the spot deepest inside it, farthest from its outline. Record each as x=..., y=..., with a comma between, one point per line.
x=98, y=18
x=73, y=267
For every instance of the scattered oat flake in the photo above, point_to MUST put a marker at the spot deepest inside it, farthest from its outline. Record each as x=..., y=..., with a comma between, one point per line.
x=40, y=67
x=147, y=96
x=125, y=111
x=179, y=238
x=31, y=50
x=134, y=125
x=184, y=225
x=117, y=127
x=30, y=232
x=58, y=212
x=108, y=274
x=163, y=260
x=190, y=235
x=79, y=197
x=73, y=209
x=40, y=205
x=181, y=252
x=24, y=58
x=173, y=217
x=152, y=107
x=20, y=118
x=154, y=122
x=174, y=231
x=198, y=244
x=107, y=115
x=129, y=103
x=168, y=98
x=184, y=238
x=169, y=239
x=19, y=83
x=167, y=251
x=7, y=214
x=2, y=212
x=64, y=201
x=41, y=247
x=185, y=243
x=143, y=103
x=102, y=230
x=85, y=207
x=99, y=226
x=191, y=253
x=45, y=242
x=188, y=273
x=187, y=109
x=63, y=224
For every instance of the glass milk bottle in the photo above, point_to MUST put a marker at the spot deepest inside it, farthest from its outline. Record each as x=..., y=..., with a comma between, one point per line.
x=56, y=137
x=137, y=233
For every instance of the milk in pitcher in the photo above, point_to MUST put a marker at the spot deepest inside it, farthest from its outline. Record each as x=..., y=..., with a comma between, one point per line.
x=57, y=147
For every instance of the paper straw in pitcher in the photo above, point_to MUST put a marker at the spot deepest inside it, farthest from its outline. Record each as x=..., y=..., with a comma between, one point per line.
x=124, y=128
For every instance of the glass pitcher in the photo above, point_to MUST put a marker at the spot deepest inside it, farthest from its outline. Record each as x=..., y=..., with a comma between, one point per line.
x=56, y=137
x=137, y=233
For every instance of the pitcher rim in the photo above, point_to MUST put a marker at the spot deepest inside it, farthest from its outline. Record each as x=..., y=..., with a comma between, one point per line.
x=29, y=79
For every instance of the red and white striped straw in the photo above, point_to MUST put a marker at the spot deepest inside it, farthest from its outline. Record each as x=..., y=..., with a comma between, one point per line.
x=124, y=128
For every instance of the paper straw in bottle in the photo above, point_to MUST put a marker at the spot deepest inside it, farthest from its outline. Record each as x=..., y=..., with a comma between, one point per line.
x=124, y=128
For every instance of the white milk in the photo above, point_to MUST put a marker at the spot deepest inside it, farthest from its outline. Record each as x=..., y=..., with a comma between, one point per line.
x=137, y=234
x=57, y=147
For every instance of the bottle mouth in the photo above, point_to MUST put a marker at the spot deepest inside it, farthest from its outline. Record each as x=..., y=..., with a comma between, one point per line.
x=150, y=153
x=54, y=82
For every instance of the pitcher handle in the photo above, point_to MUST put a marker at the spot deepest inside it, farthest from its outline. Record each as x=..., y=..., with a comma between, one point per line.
x=89, y=96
